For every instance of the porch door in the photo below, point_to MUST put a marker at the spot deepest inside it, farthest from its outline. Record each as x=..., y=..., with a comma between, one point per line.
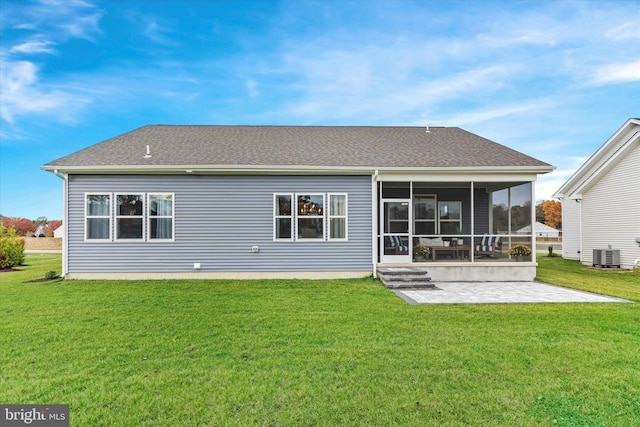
x=395, y=242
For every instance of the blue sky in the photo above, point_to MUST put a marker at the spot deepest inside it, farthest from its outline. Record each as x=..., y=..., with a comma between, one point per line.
x=551, y=79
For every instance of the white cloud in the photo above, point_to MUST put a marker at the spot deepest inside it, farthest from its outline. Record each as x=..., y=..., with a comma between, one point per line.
x=465, y=118
x=551, y=182
x=386, y=80
x=252, y=88
x=50, y=24
x=626, y=31
x=617, y=73
x=35, y=46
x=533, y=37
x=152, y=30
x=84, y=27
x=57, y=19
x=547, y=185
x=158, y=33
x=22, y=95
x=441, y=90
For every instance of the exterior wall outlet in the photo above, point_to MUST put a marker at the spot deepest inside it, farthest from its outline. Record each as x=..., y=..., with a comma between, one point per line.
x=196, y=266
x=255, y=249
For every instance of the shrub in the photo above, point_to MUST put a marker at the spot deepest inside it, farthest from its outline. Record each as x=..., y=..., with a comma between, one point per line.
x=551, y=254
x=49, y=275
x=11, y=248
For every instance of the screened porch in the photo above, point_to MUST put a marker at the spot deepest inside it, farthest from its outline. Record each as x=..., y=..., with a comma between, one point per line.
x=455, y=222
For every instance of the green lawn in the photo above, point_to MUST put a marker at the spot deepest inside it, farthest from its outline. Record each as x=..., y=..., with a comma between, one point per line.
x=339, y=352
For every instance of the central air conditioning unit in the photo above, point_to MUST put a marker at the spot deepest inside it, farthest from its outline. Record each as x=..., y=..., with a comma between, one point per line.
x=606, y=258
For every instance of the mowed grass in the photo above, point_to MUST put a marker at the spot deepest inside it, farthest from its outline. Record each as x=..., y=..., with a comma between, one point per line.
x=338, y=352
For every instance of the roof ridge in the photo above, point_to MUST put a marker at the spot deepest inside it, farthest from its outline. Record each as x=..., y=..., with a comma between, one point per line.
x=303, y=126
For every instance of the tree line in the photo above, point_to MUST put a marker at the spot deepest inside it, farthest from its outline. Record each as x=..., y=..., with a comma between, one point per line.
x=26, y=227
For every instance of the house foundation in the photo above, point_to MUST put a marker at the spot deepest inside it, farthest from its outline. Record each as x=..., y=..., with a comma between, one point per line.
x=476, y=272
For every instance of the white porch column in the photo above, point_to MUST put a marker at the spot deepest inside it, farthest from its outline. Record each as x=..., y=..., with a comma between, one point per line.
x=472, y=247
x=534, y=241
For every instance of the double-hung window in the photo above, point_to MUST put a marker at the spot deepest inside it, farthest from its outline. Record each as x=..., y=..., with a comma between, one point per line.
x=132, y=216
x=160, y=216
x=338, y=216
x=310, y=217
x=98, y=216
x=129, y=216
x=283, y=217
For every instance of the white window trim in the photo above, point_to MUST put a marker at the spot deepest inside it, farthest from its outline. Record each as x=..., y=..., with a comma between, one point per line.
x=323, y=217
x=109, y=217
x=345, y=216
x=116, y=217
x=150, y=217
x=276, y=217
x=326, y=217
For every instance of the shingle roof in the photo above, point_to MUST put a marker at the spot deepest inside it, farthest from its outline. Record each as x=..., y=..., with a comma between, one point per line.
x=293, y=146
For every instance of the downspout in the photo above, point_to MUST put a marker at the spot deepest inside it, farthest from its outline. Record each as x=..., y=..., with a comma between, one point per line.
x=580, y=251
x=65, y=221
x=374, y=226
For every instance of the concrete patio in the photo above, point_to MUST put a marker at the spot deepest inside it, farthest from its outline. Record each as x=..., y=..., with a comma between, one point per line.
x=499, y=293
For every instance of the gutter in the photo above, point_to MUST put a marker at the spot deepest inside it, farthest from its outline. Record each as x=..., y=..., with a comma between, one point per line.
x=291, y=169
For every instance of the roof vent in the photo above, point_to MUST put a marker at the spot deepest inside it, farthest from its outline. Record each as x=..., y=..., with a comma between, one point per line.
x=148, y=155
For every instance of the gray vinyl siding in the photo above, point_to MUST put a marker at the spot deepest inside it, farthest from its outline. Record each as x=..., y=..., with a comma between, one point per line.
x=217, y=221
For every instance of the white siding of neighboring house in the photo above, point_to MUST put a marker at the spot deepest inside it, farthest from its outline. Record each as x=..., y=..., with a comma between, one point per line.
x=59, y=232
x=571, y=209
x=570, y=229
x=611, y=211
x=610, y=151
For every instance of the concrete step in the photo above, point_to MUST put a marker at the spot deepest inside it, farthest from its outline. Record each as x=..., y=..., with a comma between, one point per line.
x=401, y=271
x=409, y=285
x=405, y=278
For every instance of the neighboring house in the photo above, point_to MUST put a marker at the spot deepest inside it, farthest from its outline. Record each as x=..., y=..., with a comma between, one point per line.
x=40, y=231
x=58, y=233
x=541, y=230
x=168, y=201
x=601, y=201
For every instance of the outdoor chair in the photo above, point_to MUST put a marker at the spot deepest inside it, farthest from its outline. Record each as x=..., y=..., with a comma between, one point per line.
x=394, y=244
x=489, y=245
